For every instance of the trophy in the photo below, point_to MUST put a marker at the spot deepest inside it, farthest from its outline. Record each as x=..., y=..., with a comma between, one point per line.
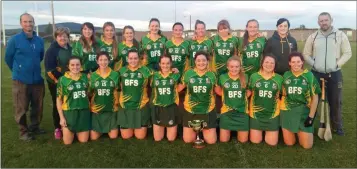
x=197, y=126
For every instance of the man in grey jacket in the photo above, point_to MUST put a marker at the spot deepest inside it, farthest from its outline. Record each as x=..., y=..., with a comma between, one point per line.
x=327, y=50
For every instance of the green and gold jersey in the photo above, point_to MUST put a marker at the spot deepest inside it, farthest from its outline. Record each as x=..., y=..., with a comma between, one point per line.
x=164, y=91
x=222, y=51
x=179, y=54
x=123, y=54
x=89, y=61
x=153, y=49
x=104, y=90
x=104, y=46
x=298, y=89
x=233, y=95
x=73, y=92
x=199, y=98
x=252, y=54
x=264, y=101
x=134, y=83
x=195, y=45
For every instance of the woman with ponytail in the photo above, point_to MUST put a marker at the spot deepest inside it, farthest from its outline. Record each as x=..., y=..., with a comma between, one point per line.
x=153, y=45
x=232, y=86
x=128, y=43
x=109, y=43
x=251, y=48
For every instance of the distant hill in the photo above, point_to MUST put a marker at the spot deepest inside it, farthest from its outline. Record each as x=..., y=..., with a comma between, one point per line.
x=73, y=27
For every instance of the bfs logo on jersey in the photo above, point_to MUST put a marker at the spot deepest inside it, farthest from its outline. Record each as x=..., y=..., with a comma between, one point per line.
x=227, y=85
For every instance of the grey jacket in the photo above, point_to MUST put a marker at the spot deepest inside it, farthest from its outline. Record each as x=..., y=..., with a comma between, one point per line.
x=327, y=53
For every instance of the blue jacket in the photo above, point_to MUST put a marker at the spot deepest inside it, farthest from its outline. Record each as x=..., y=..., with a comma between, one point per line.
x=24, y=56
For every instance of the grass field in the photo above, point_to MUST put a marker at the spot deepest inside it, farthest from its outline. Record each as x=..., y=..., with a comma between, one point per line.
x=47, y=152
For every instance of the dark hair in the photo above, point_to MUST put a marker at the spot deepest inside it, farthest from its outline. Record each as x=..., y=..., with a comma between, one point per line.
x=325, y=13
x=246, y=34
x=135, y=42
x=83, y=40
x=201, y=52
x=103, y=53
x=74, y=58
x=297, y=54
x=133, y=51
x=115, y=41
x=156, y=20
x=223, y=22
x=266, y=56
x=199, y=22
x=177, y=23
x=165, y=56
x=281, y=20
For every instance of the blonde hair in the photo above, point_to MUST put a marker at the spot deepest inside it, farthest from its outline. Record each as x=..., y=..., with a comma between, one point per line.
x=242, y=79
x=115, y=41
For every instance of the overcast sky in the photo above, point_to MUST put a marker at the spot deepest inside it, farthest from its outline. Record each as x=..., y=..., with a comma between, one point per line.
x=138, y=14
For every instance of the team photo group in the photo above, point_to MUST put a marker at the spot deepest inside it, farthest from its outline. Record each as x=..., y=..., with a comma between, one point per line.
x=250, y=86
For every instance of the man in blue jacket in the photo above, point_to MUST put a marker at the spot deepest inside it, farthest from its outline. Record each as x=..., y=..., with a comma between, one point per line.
x=24, y=53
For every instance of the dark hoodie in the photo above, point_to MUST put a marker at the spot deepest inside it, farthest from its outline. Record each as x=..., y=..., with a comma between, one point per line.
x=281, y=48
x=56, y=60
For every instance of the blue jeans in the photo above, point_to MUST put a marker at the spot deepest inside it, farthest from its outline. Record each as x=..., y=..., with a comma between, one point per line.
x=334, y=95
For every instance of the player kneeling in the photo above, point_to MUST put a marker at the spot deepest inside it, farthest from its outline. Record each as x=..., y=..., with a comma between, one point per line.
x=73, y=103
x=234, y=112
x=104, y=98
x=299, y=102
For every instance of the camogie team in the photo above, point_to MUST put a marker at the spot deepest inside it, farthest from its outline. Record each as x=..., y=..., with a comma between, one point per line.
x=109, y=86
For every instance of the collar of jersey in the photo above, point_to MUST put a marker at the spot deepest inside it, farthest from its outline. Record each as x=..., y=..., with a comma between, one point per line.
x=163, y=74
x=198, y=73
x=102, y=38
x=133, y=69
x=173, y=41
x=264, y=77
x=67, y=75
x=108, y=69
x=297, y=75
x=231, y=77
x=148, y=36
x=128, y=45
x=205, y=38
x=229, y=36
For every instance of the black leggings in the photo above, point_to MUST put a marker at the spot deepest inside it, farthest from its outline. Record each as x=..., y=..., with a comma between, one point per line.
x=53, y=90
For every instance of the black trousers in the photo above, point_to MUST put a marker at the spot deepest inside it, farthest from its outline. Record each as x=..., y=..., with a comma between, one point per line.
x=334, y=95
x=53, y=90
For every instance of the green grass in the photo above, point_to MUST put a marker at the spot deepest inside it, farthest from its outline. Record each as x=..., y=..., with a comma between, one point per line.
x=47, y=152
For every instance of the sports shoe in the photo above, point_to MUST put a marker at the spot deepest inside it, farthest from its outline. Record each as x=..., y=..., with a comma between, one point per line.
x=37, y=131
x=26, y=137
x=58, y=133
x=340, y=132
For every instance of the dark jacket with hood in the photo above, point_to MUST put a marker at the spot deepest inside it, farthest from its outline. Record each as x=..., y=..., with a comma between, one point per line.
x=56, y=60
x=281, y=48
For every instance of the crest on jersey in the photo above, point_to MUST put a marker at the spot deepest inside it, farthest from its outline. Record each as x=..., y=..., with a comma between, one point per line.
x=274, y=86
x=258, y=84
x=227, y=85
x=171, y=81
x=161, y=45
x=231, y=45
x=258, y=45
x=123, y=52
x=125, y=74
x=192, y=80
x=235, y=85
x=96, y=84
x=111, y=83
x=245, y=48
x=78, y=85
x=205, y=48
x=140, y=75
x=192, y=47
x=200, y=80
x=171, y=122
x=157, y=82
x=183, y=51
x=84, y=85
x=171, y=50
x=287, y=81
x=251, y=46
x=132, y=75
x=224, y=44
x=208, y=81
x=148, y=47
x=217, y=44
x=304, y=82
x=70, y=87
x=163, y=82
